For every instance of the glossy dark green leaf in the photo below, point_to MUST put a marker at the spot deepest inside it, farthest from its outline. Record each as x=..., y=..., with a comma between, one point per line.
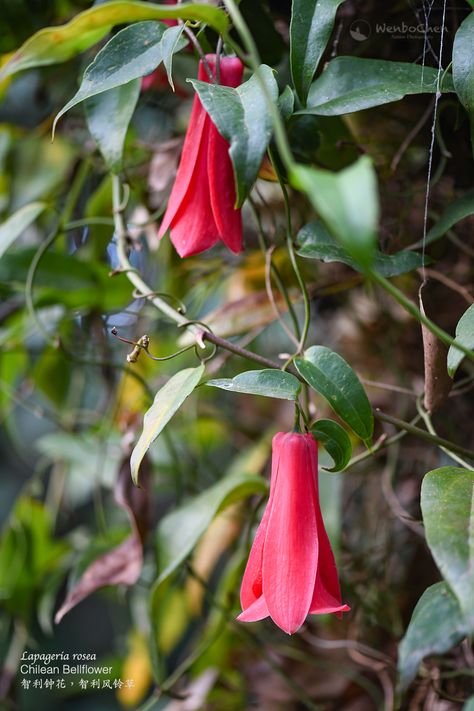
x=456, y=211
x=335, y=440
x=348, y=203
x=314, y=242
x=132, y=53
x=242, y=117
x=463, y=66
x=351, y=84
x=108, y=116
x=17, y=223
x=312, y=22
x=333, y=378
x=304, y=137
x=447, y=503
x=465, y=336
x=286, y=102
x=166, y=403
x=269, y=383
x=57, y=44
x=180, y=530
x=437, y=624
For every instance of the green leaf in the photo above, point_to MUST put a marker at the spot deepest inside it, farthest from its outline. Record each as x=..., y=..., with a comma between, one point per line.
x=286, y=103
x=16, y=224
x=180, y=530
x=312, y=22
x=347, y=202
x=447, y=505
x=333, y=378
x=108, y=116
x=351, y=84
x=29, y=556
x=456, y=211
x=171, y=42
x=335, y=440
x=131, y=53
x=314, y=242
x=167, y=401
x=437, y=624
x=463, y=67
x=242, y=117
x=57, y=44
x=465, y=336
x=269, y=383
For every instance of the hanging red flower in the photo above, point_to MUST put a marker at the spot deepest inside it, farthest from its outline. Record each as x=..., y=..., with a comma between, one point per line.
x=201, y=208
x=291, y=570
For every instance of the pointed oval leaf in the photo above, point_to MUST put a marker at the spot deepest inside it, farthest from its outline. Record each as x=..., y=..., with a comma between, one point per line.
x=133, y=52
x=242, y=117
x=315, y=242
x=465, y=336
x=108, y=116
x=347, y=202
x=180, y=530
x=335, y=441
x=269, y=383
x=447, y=505
x=333, y=378
x=167, y=401
x=463, y=66
x=57, y=44
x=456, y=211
x=17, y=223
x=437, y=624
x=171, y=42
x=351, y=84
x=312, y=22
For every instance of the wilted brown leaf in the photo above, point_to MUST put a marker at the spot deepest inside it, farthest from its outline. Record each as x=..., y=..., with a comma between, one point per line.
x=121, y=565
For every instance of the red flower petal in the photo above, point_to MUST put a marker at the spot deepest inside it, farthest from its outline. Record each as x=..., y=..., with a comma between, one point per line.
x=258, y=610
x=251, y=588
x=222, y=192
x=290, y=554
x=327, y=592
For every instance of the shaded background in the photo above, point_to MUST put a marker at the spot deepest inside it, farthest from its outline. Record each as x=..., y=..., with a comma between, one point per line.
x=68, y=414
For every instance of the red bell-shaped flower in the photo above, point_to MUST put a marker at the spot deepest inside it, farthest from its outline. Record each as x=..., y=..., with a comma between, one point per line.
x=201, y=208
x=291, y=570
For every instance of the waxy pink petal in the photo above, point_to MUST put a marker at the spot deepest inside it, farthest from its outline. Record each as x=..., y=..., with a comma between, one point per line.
x=290, y=554
x=291, y=571
x=201, y=208
x=251, y=588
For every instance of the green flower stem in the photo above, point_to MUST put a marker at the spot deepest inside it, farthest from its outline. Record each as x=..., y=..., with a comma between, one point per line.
x=429, y=426
x=275, y=271
x=382, y=443
x=416, y=313
x=29, y=284
x=422, y=434
x=75, y=192
x=162, y=305
x=293, y=259
x=74, y=224
x=254, y=61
